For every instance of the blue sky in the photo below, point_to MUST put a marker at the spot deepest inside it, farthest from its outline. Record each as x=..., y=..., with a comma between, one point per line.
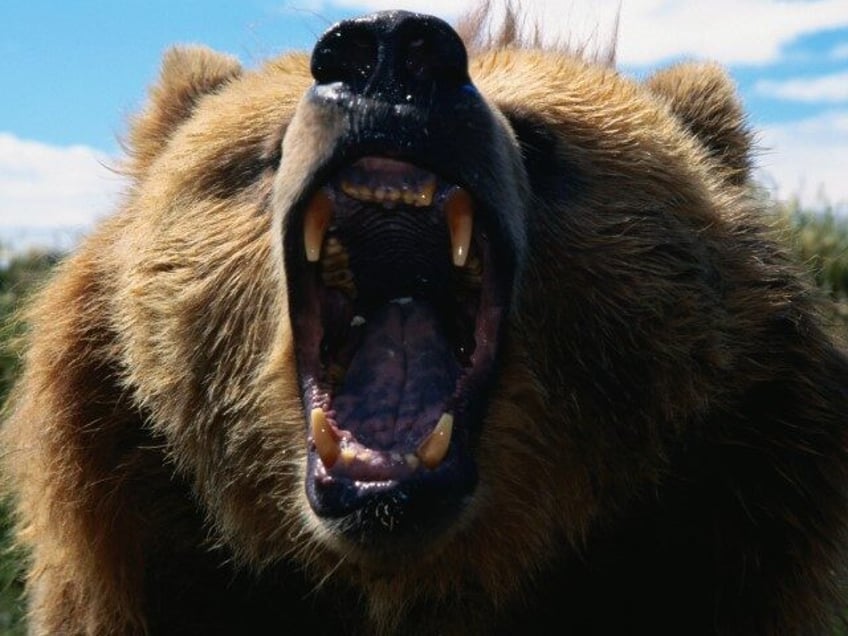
x=72, y=73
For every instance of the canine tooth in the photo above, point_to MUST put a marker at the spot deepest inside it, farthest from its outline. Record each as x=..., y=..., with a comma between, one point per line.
x=459, y=211
x=435, y=446
x=315, y=224
x=326, y=441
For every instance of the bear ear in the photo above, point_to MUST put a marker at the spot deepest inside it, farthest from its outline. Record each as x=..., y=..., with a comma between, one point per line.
x=704, y=98
x=186, y=75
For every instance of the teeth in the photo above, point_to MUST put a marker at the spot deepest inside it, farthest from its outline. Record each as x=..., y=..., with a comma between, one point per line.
x=412, y=460
x=335, y=254
x=354, y=191
x=331, y=447
x=349, y=189
x=335, y=267
x=342, y=278
x=433, y=449
x=326, y=440
x=348, y=455
x=459, y=211
x=315, y=224
x=425, y=195
x=420, y=197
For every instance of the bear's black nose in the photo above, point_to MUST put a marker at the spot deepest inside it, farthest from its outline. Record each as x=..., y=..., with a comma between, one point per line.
x=393, y=56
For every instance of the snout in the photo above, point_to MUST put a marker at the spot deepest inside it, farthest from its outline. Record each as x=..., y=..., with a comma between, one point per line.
x=395, y=57
x=400, y=191
x=397, y=84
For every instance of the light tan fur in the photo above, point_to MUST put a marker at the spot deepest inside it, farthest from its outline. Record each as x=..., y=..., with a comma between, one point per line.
x=158, y=403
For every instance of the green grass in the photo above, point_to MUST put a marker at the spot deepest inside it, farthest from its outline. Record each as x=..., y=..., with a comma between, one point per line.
x=17, y=279
x=819, y=240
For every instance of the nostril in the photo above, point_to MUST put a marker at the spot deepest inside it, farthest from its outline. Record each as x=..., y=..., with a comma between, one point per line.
x=347, y=53
x=419, y=59
x=430, y=52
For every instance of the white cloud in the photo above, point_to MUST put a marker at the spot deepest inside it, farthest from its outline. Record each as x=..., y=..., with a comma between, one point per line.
x=49, y=186
x=807, y=158
x=729, y=31
x=827, y=88
x=651, y=31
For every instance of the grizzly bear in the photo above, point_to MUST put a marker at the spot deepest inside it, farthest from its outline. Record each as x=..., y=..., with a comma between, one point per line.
x=402, y=339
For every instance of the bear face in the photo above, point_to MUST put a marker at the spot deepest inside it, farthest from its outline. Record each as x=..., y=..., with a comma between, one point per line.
x=398, y=339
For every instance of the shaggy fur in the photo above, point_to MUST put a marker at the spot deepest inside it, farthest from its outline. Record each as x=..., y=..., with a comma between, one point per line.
x=663, y=451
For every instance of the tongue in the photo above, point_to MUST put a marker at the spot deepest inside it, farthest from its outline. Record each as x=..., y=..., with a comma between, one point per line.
x=400, y=379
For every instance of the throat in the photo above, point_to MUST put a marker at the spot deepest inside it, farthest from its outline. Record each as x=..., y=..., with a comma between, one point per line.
x=400, y=377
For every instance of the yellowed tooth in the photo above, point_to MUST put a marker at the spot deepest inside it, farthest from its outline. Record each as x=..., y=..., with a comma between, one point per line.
x=435, y=446
x=408, y=197
x=349, y=189
x=315, y=224
x=326, y=440
x=459, y=213
x=348, y=455
x=424, y=196
x=333, y=248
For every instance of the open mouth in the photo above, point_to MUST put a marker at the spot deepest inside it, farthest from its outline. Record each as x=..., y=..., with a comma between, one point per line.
x=396, y=308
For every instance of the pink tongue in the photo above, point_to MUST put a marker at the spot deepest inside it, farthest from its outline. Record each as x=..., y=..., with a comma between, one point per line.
x=400, y=379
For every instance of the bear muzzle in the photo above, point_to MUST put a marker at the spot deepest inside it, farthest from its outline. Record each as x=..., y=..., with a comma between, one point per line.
x=401, y=255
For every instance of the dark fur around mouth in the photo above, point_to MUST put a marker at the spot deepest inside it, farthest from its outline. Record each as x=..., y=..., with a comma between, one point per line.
x=397, y=314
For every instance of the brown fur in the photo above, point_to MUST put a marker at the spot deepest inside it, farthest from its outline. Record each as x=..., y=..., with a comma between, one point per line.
x=664, y=447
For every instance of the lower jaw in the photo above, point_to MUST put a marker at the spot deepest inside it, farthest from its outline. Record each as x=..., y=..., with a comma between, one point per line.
x=383, y=517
